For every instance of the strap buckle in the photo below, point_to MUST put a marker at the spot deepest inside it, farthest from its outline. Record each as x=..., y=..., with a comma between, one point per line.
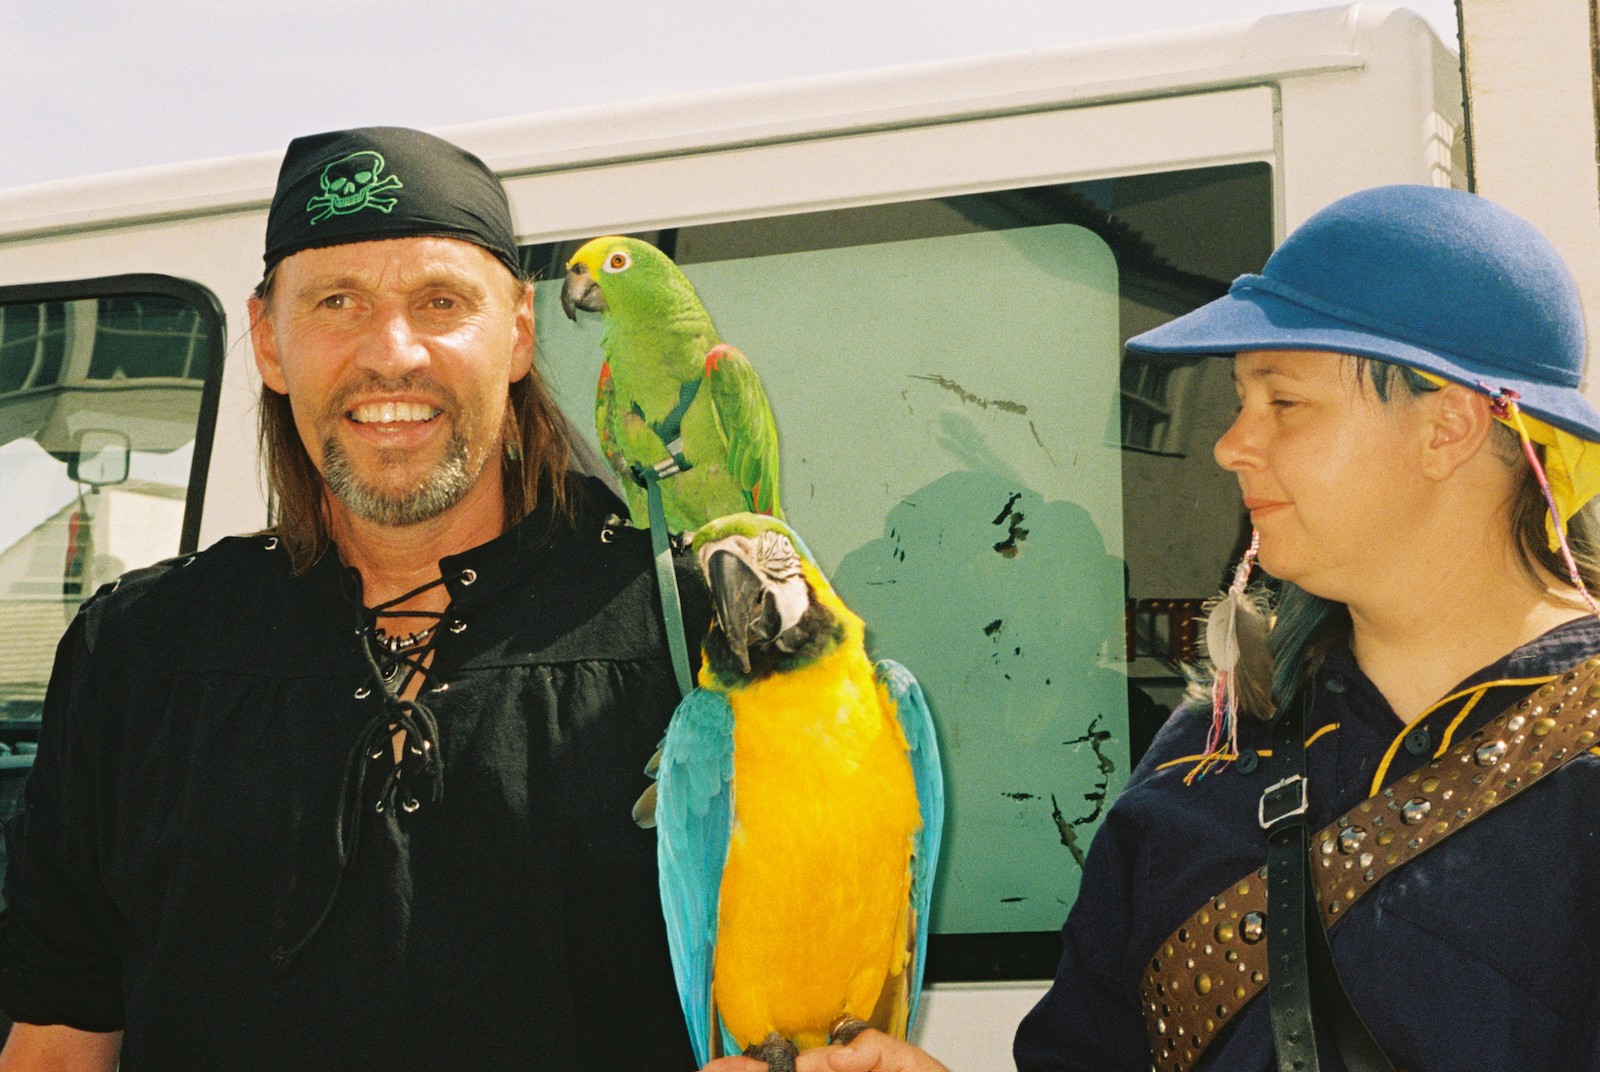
x=1283, y=800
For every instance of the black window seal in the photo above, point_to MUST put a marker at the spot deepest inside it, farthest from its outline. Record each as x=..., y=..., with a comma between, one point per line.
x=150, y=284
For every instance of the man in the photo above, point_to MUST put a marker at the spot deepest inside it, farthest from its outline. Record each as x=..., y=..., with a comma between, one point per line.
x=354, y=793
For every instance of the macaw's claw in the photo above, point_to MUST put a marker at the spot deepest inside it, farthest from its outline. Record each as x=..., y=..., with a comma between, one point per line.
x=777, y=1051
x=845, y=1029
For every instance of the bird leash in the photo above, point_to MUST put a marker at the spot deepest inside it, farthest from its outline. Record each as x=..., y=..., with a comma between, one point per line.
x=666, y=576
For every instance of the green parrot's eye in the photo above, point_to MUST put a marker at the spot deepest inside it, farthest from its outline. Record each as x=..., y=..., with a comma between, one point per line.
x=618, y=261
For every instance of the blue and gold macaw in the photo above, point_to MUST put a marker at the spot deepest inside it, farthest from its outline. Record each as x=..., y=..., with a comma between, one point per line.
x=799, y=812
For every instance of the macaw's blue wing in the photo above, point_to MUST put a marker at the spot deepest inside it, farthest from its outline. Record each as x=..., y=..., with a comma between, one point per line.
x=917, y=724
x=693, y=812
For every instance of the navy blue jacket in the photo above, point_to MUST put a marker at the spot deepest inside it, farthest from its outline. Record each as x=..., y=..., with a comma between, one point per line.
x=1481, y=954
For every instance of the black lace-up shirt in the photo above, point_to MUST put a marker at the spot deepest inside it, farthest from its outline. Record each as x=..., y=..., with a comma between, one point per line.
x=182, y=824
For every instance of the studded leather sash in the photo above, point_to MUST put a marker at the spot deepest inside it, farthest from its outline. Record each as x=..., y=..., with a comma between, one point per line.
x=1216, y=962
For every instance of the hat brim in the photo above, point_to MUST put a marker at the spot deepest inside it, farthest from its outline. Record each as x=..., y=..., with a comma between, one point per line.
x=1245, y=320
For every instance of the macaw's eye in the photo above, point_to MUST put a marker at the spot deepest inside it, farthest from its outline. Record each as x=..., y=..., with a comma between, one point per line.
x=618, y=261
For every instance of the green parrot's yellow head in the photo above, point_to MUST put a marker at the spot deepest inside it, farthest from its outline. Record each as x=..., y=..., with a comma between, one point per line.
x=774, y=609
x=625, y=278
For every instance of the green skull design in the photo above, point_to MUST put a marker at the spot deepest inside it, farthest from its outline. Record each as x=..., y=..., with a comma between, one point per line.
x=349, y=185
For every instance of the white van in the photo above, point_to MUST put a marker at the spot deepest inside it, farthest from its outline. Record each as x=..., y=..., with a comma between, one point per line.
x=934, y=270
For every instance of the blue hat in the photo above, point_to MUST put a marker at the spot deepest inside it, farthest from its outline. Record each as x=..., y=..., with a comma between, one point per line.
x=1439, y=280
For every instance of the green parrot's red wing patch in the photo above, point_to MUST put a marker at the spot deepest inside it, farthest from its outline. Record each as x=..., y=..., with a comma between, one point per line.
x=605, y=414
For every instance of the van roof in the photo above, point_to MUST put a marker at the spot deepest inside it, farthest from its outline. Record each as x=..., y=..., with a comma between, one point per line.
x=1166, y=63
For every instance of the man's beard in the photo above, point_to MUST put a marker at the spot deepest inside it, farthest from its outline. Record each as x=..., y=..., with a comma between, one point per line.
x=441, y=488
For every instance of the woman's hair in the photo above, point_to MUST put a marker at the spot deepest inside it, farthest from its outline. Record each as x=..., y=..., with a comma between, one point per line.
x=1305, y=627
x=533, y=461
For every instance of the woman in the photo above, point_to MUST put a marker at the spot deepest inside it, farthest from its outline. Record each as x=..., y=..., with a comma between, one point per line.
x=1412, y=447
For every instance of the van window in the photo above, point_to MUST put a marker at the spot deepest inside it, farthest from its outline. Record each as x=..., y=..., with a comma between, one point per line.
x=107, y=396
x=989, y=481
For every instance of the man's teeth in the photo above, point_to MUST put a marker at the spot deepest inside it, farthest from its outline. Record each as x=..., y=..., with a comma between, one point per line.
x=392, y=412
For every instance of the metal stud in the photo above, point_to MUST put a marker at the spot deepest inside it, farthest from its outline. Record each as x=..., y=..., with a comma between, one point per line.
x=458, y=627
x=1350, y=839
x=1415, y=810
x=468, y=577
x=1488, y=755
x=363, y=692
x=1252, y=927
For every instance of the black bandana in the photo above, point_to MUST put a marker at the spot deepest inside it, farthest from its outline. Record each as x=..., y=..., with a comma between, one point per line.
x=385, y=182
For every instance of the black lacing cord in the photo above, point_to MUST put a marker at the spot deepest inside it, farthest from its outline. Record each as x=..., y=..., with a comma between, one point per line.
x=419, y=773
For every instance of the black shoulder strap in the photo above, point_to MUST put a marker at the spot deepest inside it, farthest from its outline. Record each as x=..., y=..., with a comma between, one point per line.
x=1302, y=974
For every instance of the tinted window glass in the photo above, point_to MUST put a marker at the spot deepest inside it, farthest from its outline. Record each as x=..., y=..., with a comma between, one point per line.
x=101, y=403
x=989, y=481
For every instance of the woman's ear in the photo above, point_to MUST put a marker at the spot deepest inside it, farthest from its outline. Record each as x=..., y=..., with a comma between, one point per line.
x=1459, y=425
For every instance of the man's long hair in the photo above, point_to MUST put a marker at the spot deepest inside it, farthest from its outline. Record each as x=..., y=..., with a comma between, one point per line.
x=534, y=457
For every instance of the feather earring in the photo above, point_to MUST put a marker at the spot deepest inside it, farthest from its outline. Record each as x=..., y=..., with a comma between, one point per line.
x=1236, y=643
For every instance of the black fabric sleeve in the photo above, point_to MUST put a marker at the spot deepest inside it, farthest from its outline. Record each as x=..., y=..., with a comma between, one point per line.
x=59, y=960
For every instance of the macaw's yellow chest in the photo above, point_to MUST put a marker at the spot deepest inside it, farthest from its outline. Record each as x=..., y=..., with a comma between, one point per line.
x=814, y=918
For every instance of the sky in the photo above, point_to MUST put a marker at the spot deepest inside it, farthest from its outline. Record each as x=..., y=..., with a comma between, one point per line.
x=89, y=86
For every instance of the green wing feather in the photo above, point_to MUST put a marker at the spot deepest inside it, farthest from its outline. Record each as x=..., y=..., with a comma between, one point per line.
x=745, y=420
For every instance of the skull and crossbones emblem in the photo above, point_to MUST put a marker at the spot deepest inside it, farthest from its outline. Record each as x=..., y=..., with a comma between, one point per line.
x=349, y=185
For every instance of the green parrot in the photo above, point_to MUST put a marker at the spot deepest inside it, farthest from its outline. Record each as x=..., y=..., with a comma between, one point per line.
x=671, y=391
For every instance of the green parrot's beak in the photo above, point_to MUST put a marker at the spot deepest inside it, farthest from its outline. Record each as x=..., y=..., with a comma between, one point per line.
x=580, y=291
x=743, y=608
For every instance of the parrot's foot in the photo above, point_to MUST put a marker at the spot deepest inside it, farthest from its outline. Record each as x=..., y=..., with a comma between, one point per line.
x=777, y=1051
x=845, y=1029
x=682, y=541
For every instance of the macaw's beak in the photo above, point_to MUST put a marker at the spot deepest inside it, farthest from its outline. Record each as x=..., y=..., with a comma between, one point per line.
x=744, y=608
x=580, y=291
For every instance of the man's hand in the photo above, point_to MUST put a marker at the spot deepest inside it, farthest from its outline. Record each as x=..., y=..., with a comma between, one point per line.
x=872, y=1051
x=32, y=1048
